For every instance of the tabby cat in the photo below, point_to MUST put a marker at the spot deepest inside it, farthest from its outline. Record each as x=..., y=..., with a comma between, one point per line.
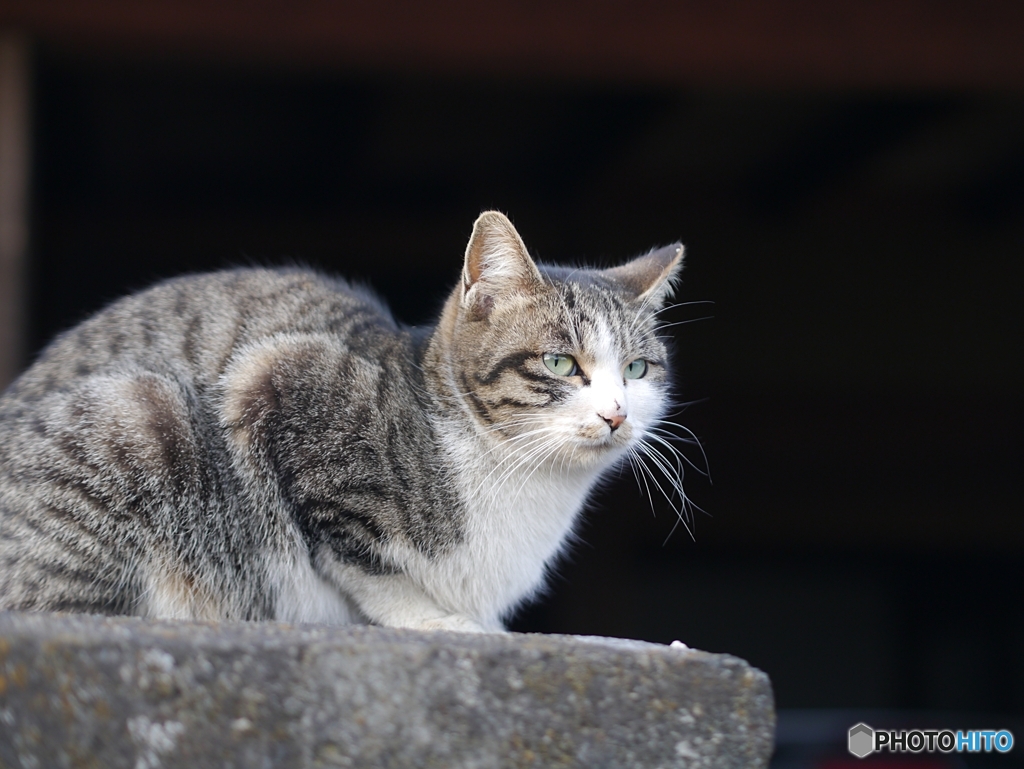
x=271, y=444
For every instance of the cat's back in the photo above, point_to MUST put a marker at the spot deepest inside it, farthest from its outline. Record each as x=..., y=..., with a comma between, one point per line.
x=189, y=327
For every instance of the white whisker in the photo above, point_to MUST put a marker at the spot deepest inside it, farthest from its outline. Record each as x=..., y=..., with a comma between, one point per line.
x=661, y=327
x=681, y=512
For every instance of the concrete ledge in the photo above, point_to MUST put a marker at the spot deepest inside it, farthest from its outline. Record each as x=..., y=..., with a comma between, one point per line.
x=81, y=691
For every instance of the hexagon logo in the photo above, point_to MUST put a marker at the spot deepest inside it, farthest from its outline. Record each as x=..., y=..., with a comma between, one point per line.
x=861, y=740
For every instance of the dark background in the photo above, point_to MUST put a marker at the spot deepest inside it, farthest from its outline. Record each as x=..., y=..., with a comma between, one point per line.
x=857, y=392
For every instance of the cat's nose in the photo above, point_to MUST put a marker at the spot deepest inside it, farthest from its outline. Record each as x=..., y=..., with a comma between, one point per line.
x=613, y=416
x=615, y=420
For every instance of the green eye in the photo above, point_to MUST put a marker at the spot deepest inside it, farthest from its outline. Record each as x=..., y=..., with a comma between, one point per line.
x=563, y=365
x=636, y=369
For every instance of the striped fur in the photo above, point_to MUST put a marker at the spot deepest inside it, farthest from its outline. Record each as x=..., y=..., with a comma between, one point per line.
x=271, y=444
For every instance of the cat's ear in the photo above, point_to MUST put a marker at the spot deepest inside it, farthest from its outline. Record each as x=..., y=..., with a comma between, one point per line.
x=497, y=264
x=651, y=277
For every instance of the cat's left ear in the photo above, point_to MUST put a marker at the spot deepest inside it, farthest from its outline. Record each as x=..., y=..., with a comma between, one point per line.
x=497, y=265
x=651, y=277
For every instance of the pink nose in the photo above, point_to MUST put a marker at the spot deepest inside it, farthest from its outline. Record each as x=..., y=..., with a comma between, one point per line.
x=614, y=420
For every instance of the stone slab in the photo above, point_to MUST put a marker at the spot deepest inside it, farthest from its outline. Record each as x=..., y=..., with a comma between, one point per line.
x=82, y=691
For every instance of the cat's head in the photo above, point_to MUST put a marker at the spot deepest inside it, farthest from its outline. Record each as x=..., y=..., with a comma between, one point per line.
x=562, y=364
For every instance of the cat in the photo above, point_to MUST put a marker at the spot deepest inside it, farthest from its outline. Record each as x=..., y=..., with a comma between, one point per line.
x=269, y=444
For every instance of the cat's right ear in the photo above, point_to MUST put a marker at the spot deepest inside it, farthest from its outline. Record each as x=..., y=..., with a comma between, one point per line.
x=497, y=265
x=651, y=278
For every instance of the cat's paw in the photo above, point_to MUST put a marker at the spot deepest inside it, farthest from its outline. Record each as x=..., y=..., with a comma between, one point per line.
x=457, y=622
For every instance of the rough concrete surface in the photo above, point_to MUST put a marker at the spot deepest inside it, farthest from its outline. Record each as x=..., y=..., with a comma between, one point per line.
x=82, y=691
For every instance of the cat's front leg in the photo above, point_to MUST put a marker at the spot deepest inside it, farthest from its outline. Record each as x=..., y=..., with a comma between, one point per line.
x=458, y=622
x=395, y=600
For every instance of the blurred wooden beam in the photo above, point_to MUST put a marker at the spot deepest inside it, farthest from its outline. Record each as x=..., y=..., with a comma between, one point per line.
x=844, y=43
x=14, y=196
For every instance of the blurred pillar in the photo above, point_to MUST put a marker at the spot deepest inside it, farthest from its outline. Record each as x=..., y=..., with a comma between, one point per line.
x=15, y=153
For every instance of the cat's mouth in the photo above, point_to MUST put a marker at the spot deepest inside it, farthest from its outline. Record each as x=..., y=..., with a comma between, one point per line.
x=602, y=439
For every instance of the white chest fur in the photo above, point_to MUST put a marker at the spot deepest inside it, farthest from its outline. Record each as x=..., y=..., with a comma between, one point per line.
x=519, y=515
